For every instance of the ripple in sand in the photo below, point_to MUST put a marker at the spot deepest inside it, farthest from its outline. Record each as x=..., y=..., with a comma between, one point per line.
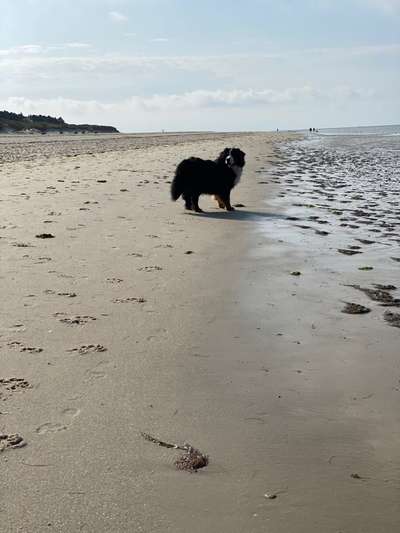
x=393, y=319
x=355, y=309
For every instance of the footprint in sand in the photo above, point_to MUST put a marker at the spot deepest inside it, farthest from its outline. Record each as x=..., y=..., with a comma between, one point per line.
x=152, y=268
x=77, y=320
x=88, y=348
x=22, y=348
x=10, y=385
x=50, y=427
x=68, y=294
x=41, y=260
x=11, y=441
x=132, y=299
x=98, y=371
x=135, y=254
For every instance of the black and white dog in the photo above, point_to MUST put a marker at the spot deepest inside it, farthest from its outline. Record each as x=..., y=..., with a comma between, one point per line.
x=196, y=176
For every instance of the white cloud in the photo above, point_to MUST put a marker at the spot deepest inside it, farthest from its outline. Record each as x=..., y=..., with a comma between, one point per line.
x=77, y=45
x=38, y=49
x=35, y=60
x=26, y=49
x=200, y=99
x=116, y=16
x=229, y=110
x=218, y=98
x=159, y=40
x=388, y=6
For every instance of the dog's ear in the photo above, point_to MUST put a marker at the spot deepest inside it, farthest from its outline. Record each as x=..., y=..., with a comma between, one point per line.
x=222, y=156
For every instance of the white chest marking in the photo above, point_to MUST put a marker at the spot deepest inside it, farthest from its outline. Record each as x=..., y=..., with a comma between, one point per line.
x=238, y=173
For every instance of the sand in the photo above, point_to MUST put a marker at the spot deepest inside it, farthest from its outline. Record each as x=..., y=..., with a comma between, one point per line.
x=113, y=328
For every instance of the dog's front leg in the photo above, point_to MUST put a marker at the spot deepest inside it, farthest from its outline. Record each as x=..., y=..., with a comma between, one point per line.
x=188, y=202
x=227, y=201
x=195, y=202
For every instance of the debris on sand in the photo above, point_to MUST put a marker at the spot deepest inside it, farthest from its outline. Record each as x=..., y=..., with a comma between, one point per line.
x=378, y=295
x=366, y=268
x=392, y=318
x=270, y=496
x=45, y=236
x=385, y=287
x=295, y=273
x=191, y=460
x=365, y=241
x=355, y=309
x=346, y=251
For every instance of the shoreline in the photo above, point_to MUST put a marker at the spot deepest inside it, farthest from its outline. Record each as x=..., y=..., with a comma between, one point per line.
x=221, y=354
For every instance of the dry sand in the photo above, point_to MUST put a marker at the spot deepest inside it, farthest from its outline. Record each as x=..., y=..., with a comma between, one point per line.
x=254, y=366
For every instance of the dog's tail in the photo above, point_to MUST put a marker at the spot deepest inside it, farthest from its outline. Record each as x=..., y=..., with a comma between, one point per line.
x=177, y=183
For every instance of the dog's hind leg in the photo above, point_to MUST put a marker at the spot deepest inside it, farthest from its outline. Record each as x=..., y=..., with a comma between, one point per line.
x=195, y=202
x=226, y=199
x=221, y=204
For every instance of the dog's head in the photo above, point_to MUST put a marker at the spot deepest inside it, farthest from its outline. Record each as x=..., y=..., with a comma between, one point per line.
x=232, y=157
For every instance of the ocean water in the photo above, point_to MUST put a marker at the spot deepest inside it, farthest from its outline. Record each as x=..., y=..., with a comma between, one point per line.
x=386, y=131
x=340, y=186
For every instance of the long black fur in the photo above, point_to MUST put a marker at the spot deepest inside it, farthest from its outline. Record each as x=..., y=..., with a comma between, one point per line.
x=196, y=176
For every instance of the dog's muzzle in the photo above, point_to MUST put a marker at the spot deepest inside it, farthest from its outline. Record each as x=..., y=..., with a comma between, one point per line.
x=229, y=160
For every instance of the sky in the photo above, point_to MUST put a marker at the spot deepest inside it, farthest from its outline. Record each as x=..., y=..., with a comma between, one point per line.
x=183, y=65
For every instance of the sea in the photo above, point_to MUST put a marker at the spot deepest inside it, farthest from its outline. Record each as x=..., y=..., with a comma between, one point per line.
x=367, y=157
x=342, y=186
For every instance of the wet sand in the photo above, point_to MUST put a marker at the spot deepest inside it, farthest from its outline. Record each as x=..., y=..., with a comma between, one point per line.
x=239, y=347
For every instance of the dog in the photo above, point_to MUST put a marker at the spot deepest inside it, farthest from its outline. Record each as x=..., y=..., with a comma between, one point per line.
x=196, y=176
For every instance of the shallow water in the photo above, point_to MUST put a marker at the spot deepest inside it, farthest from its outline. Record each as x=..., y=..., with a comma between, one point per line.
x=339, y=203
x=352, y=182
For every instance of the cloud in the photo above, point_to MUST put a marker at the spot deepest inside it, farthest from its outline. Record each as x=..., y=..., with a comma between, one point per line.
x=159, y=40
x=116, y=16
x=221, y=98
x=234, y=110
x=77, y=45
x=26, y=49
x=38, y=49
x=35, y=60
x=388, y=6
x=191, y=100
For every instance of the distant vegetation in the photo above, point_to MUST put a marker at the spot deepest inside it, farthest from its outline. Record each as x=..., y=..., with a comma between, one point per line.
x=14, y=122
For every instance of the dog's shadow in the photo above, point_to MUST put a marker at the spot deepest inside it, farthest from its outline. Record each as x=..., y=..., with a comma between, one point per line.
x=241, y=215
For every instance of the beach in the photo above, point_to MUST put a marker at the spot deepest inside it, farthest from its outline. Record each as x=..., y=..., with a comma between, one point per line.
x=121, y=313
